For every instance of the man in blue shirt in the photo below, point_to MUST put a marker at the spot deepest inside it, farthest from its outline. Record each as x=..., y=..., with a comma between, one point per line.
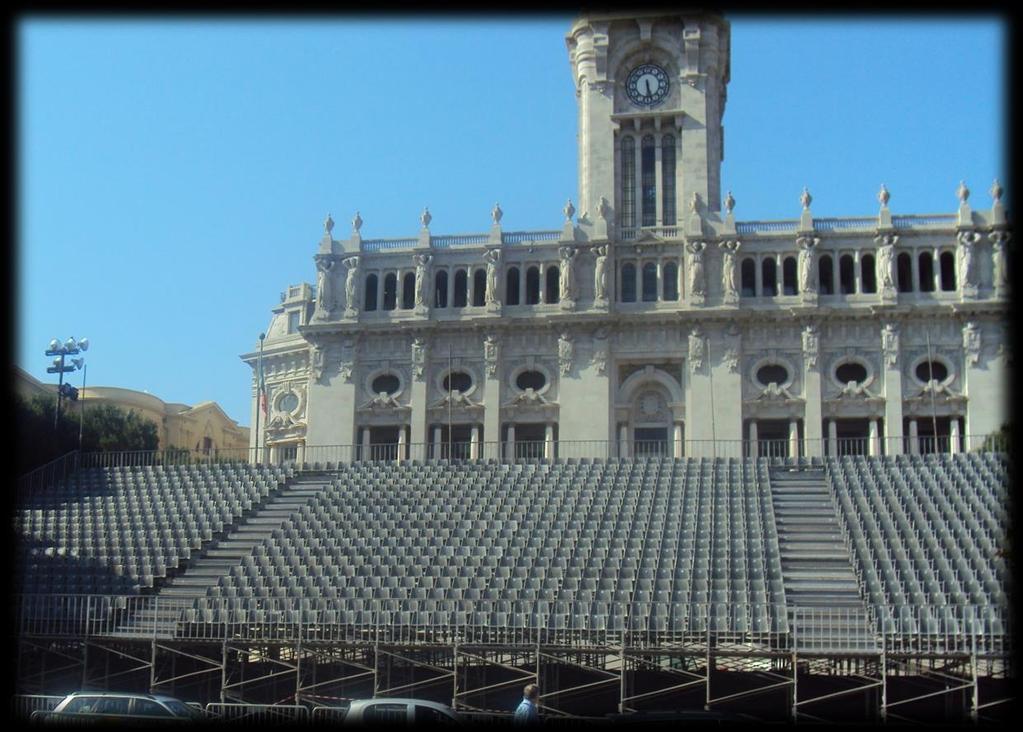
x=526, y=714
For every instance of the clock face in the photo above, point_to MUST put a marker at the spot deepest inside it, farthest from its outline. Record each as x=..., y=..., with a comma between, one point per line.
x=647, y=85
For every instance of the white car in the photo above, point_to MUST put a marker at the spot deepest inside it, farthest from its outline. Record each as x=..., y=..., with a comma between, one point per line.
x=392, y=712
x=120, y=706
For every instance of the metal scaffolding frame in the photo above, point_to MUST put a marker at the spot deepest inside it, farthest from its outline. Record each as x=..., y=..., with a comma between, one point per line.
x=481, y=677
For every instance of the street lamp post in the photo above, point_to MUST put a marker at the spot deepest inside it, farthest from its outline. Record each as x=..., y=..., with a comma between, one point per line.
x=59, y=351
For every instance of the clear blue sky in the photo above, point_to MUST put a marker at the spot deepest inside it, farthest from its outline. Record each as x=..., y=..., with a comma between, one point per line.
x=173, y=175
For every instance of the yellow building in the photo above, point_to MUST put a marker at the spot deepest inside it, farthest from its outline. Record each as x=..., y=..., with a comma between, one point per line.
x=204, y=426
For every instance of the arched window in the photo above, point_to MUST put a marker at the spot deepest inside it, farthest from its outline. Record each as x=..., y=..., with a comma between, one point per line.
x=461, y=289
x=748, y=275
x=440, y=289
x=926, y=264
x=408, y=291
x=826, y=270
x=868, y=273
x=769, y=277
x=511, y=290
x=390, y=291
x=846, y=275
x=904, y=272
x=668, y=180
x=532, y=285
x=670, y=277
x=628, y=182
x=628, y=288
x=788, y=276
x=371, y=293
x=553, y=288
x=649, y=181
x=649, y=282
x=479, y=287
x=948, y=271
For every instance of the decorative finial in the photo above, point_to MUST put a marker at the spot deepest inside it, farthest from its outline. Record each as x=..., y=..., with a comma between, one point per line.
x=426, y=218
x=356, y=223
x=883, y=196
x=996, y=191
x=963, y=192
x=568, y=210
x=806, y=199
x=497, y=213
x=328, y=224
x=729, y=202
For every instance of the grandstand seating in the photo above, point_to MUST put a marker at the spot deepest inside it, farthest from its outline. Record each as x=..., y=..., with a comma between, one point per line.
x=647, y=543
x=116, y=530
x=925, y=532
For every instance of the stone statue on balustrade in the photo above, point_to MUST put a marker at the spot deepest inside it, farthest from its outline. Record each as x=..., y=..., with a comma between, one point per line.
x=807, y=255
x=886, y=264
x=492, y=296
x=352, y=287
x=697, y=288
x=422, y=278
x=966, y=262
x=729, y=279
x=566, y=280
x=324, y=287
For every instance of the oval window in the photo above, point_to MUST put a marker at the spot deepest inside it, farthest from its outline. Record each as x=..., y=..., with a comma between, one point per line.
x=851, y=371
x=289, y=402
x=459, y=380
x=531, y=380
x=386, y=383
x=928, y=370
x=773, y=372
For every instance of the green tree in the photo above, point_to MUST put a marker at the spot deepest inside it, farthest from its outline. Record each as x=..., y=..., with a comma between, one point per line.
x=107, y=429
x=998, y=441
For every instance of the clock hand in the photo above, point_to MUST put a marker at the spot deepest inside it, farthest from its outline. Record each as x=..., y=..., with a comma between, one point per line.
x=646, y=84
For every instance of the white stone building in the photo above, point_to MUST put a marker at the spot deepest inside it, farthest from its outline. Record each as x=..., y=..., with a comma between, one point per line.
x=652, y=321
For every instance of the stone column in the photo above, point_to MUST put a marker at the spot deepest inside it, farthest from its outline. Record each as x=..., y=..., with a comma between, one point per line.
x=638, y=271
x=548, y=442
x=813, y=412
x=857, y=273
x=658, y=188
x=832, y=437
x=953, y=435
x=509, y=453
x=623, y=440
x=758, y=276
x=793, y=438
x=474, y=443
x=754, y=447
x=660, y=276
x=892, y=390
x=522, y=284
x=677, y=436
x=365, y=444
x=401, y=443
x=380, y=290
x=435, y=447
x=914, y=440
x=873, y=443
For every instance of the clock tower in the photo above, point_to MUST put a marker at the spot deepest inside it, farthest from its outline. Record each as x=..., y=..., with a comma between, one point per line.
x=651, y=90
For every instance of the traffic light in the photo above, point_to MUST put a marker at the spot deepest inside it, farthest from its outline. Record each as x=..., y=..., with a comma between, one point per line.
x=69, y=392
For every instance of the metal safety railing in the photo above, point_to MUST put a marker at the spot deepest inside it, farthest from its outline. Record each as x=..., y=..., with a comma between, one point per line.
x=961, y=629
x=791, y=449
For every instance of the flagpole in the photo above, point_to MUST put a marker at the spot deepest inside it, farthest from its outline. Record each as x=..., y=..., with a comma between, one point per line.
x=259, y=395
x=81, y=416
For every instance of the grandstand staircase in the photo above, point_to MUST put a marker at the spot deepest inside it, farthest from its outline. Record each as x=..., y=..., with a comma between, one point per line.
x=817, y=570
x=218, y=557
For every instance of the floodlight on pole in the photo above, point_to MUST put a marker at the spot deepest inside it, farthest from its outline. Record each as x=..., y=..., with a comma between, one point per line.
x=60, y=352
